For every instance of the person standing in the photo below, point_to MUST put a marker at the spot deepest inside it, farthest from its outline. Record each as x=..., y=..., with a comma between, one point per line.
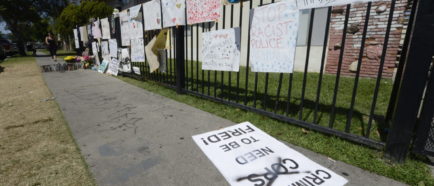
x=52, y=45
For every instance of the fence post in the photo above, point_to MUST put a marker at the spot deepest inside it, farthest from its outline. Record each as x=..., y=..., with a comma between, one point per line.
x=412, y=84
x=180, y=60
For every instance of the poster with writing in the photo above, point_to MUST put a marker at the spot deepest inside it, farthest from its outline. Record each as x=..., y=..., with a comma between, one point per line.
x=152, y=15
x=137, y=50
x=199, y=11
x=105, y=50
x=306, y=4
x=273, y=37
x=83, y=34
x=173, y=12
x=103, y=67
x=134, y=11
x=125, y=25
x=113, y=67
x=125, y=55
x=95, y=52
x=247, y=156
x=76, y=39
x=105, y=27
x=136, y=29
x=221, y=50
x=113, y=44
x=96, y=31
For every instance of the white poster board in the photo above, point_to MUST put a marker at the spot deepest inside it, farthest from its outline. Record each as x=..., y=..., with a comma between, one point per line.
x=113, y=44
x=134, y=11
x=136, y=29
x=124, y=20
x=96, y=31
x=306, y=4
x=105, y=50
x=221, y=50
x=152, y=15
x=247, y=156
x=105, y=27
x=83, y=34
x=136, y=70
x=151, y=57
x=113, y=67
x=103, y=67
x=95, y=52
x=137, y=50
x=125, y=54
x=273, y=37
x=76, y=39
x=199, y=11
x=173, y=12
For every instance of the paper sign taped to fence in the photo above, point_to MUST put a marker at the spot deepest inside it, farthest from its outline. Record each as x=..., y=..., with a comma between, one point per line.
x=95, y=52
x=103, y=67
x=221, y=50
x=306, y=4
x=199, y=11
x=152, y=15
x=135, y=29
x=96, y=31
x=113, y=68
x=113, y=44
x=136, y=70
x=137, y=50
x=173, y=12
x=105, y=50
x=152, y=57
x=247, y=156
x=273, y=37
x=105, y=27
x=125, y=31
x=76, y=39
x=83, y=34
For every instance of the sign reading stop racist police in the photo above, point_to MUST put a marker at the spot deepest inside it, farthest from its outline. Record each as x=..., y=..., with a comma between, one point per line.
x=247, y=156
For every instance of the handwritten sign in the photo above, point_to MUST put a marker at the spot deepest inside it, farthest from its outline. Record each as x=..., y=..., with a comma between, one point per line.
x=105, y=50
x=113, y=68
x=113, y=44
x=173, y=12
x=221, y=50
x=137, y=50
x=136, y=70
x=105, y=27
x=76, y=39
x=135, y=29
x=273, y=37
x=125, y=25
x=95, y=52
x=247, y=156
x=199, y=11
x=306, y=4
x=83, y=34
x=96, y=31
x=103, y=67
x=152, y=15
x=125, y=55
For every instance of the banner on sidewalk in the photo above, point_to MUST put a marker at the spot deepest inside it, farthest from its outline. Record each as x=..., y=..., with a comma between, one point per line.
x=173, y=12
x=306, y=4
x=152, y=15
x=248, y=156
x=221, y=50
x=273, y=37
x=199, y=11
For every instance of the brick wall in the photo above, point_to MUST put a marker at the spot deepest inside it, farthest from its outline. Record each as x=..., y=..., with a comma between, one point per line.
x=374, y=42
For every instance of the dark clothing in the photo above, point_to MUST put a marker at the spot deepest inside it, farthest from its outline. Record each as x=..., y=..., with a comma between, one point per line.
x=52, y=46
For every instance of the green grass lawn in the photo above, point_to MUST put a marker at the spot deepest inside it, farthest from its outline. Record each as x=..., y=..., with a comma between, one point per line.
x=413, y=171
x=311, y=112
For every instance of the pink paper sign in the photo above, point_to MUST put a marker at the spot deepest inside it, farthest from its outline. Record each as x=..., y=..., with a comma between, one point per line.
x=199, y=11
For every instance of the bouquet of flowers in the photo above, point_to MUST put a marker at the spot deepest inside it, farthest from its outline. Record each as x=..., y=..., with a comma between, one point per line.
x=70, y=59
x=87, y=62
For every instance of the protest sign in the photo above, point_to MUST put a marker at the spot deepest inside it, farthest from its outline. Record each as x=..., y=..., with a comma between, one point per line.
x=136, y=70
x=105, y=27
x=247, y=156
x=134, y=11
x=125, y=54
x=152, y=15
x=199, y=11
x=173, y=12
x=95, y=52
x=113, y=67
x=125, y=31
x=76, y=39
x=83, y=34
x=105, y=50
x=221, y=50
x=103, y=67
x=306, y=4
x=96, y=31
x=137, y=50
x=113, y=44
x=135, y=29
x=273, y=37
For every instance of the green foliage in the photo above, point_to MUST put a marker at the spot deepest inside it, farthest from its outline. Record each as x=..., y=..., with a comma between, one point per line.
x=74, y=15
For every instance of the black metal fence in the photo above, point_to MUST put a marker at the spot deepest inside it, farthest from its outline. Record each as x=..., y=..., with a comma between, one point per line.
x=358, y=109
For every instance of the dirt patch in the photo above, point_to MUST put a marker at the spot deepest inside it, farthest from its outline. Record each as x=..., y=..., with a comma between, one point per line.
x=36, y=147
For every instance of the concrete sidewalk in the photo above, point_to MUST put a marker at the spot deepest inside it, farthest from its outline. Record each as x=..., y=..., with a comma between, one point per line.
x=130, y=136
